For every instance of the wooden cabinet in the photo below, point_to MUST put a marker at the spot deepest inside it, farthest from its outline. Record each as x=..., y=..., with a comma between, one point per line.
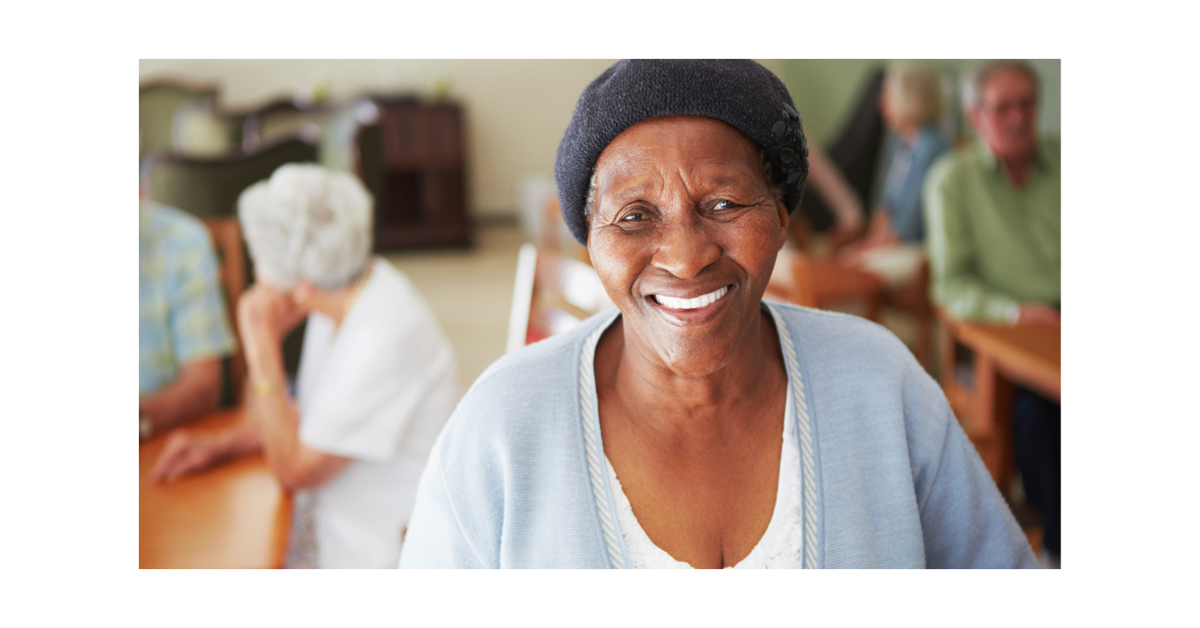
x=413, y=161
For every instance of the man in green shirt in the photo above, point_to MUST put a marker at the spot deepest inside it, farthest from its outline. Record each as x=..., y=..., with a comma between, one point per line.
x=993, y=217
x=993, y=211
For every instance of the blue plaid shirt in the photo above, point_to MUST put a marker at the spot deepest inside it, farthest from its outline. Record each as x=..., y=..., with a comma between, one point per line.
x=182, y=310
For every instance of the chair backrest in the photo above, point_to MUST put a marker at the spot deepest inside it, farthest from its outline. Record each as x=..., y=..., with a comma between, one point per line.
x=200, y=130
x=266, y=120
x=211, y=186
x=552, y=294
x=556, y=237
x=336, y=125
x=226, y=236
x=158, y=102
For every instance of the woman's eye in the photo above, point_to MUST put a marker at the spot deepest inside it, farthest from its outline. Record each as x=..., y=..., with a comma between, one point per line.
x=633, y=217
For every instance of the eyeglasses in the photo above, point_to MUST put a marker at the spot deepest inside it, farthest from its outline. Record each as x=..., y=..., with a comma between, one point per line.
x=1006, y=107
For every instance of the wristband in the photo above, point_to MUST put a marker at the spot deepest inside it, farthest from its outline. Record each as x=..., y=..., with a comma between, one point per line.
x=265, y=387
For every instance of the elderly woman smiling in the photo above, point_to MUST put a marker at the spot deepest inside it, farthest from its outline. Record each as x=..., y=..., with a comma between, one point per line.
x=377, y=377
x=699, y=426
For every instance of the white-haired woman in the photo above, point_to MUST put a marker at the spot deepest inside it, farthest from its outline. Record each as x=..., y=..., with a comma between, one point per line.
x=377, y=377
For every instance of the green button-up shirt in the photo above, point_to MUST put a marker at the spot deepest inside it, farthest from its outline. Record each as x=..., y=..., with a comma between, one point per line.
x=992, y=244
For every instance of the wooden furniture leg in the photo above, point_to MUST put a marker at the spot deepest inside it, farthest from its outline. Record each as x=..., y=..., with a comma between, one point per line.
x=993, y=436
x=925, y=342
x=875, y=308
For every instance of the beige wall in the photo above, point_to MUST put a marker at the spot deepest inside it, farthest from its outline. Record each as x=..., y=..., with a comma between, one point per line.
x=516, y=110
x=826, y=90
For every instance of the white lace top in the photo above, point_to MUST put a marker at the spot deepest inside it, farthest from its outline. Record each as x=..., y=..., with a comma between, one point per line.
x=780, y=546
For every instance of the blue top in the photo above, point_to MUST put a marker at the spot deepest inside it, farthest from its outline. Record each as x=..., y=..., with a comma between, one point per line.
x=516, y=478
x=904, y=165
x=181, y=309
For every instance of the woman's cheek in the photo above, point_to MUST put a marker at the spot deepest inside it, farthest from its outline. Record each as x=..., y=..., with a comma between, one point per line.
x=756, y=235
x=614, y=262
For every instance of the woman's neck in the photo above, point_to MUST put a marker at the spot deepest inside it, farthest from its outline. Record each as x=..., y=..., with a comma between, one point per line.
x=909, y=131
x=676, y=404
x=336, y=304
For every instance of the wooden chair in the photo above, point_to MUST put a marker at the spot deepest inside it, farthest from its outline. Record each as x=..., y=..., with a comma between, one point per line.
x=960, y=391
x=552, y=294
x=968, y=388
x=556, y=237
x=913, y=299
x=226, y=236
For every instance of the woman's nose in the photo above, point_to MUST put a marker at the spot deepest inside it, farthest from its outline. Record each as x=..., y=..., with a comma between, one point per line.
x=686, y=248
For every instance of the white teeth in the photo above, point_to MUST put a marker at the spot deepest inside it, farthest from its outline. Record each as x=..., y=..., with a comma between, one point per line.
x=691, y=304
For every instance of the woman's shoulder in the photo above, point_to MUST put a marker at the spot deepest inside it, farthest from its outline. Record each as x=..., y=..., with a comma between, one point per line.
x=392, y=305
x=933, y=142
x=847, y=334
x=846, y=354
x=530, y=391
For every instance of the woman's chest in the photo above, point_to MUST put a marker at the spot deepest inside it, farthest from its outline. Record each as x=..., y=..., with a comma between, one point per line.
x=705, y=504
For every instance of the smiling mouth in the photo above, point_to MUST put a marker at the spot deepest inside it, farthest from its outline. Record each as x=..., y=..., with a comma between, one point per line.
x=690, y=304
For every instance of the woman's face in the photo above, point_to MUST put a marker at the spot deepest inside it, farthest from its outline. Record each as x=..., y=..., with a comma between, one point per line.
x=684, y=237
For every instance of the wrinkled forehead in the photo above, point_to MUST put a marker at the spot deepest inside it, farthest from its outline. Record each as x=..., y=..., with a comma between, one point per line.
x=689, y=144
x=1008, y=84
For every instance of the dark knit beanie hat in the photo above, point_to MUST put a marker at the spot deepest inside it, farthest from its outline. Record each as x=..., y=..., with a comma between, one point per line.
x=740, y=93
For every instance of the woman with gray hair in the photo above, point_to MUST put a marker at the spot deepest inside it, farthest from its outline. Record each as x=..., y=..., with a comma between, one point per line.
x=377, y=377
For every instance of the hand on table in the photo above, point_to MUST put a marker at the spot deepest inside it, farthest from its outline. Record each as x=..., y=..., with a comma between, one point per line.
x=878, y=235
x=184, y=454
x=879, y=230
x=1038, y=314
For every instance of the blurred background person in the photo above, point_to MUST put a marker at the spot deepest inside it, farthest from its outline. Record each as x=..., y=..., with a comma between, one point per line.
x=993, y=211
x=377, y=377
x=183, y=330
x=911, y=103
x=994, y=219
x=912, y=108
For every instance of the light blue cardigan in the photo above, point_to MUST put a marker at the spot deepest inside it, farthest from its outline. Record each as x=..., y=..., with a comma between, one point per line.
x=516, y=478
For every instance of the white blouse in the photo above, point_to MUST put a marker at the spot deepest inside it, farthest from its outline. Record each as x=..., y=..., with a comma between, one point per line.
x=780, y=546
x=377, y=390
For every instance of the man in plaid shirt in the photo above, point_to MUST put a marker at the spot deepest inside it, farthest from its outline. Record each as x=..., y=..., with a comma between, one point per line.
x=184, y=330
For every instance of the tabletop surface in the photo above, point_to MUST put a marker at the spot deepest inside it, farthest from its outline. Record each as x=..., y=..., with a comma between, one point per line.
x=833, y=281
x=1031, y=352
x=234, y=515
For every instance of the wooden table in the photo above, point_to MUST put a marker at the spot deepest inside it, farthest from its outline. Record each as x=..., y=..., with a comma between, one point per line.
x=235, y=515
x=1025, y=355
